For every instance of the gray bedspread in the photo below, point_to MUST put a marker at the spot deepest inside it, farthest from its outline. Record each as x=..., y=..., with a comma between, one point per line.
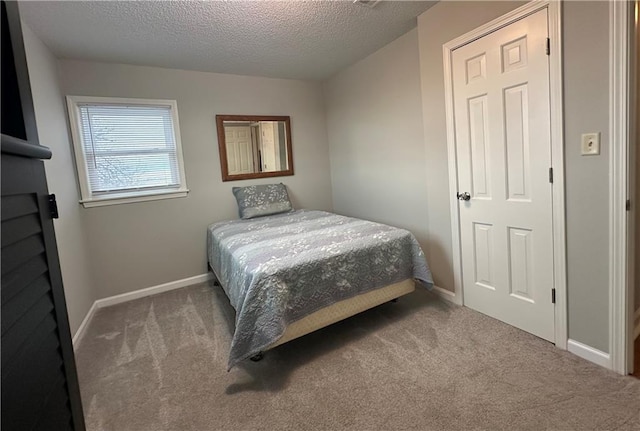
x=278, y=269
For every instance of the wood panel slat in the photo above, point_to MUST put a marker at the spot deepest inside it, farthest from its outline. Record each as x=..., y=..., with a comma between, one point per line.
x=32, y=346
x=20, y=228
x=24, y=328
x=56, y=414
x=22, y=302
x=24, y=407
x=16, y=254
x=20, y=373
x=14, y=281
x=18, y=205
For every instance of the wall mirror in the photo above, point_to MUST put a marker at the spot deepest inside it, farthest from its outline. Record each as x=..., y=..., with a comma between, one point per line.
x=254, y=146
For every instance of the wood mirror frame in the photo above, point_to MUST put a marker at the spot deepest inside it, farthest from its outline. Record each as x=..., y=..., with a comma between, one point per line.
x=222, y=146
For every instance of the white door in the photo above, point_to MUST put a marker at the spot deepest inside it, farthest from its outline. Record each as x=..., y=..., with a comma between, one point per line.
x=267, y=146
x=503, y=143
x=239, y=150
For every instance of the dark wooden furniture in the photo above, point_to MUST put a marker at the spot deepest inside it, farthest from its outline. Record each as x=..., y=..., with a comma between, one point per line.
x=39, y=381
x=636, y=358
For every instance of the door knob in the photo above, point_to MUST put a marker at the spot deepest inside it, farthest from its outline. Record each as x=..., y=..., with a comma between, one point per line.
x=464, y=196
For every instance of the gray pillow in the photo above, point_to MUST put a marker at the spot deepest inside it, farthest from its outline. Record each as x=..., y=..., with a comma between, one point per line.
x=256, y=201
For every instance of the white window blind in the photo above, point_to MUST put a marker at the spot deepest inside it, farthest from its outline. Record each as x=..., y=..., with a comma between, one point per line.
x=128, y=148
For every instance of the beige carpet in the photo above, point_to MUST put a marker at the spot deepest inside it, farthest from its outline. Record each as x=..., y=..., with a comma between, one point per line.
x=158, y=363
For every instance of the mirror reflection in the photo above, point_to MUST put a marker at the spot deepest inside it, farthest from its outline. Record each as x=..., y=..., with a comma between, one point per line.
x=254, y=146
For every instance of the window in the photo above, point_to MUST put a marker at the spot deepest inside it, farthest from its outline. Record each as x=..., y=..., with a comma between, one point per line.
x=127, y=150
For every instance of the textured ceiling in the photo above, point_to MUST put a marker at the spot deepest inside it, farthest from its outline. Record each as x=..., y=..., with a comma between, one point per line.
x=281, y=39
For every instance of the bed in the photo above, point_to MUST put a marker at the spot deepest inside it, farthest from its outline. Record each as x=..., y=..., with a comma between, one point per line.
x=289, y=274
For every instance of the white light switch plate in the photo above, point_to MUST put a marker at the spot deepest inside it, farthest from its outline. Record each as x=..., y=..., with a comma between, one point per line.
x=590, y=144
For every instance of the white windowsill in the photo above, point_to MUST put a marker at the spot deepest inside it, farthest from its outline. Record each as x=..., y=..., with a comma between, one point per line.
x=127, y=198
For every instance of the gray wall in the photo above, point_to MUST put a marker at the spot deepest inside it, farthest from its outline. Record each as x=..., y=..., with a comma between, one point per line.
x=138, y=245
x=70, y=230
x=586, y=101
x=374, y=123
x=438, y=25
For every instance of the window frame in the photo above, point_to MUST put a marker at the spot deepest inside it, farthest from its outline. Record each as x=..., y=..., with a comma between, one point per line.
x=88, y=198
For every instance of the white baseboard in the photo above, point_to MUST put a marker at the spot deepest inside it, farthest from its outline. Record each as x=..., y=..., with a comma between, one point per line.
x=153, y=290
x=636, y=325
x=85, y=323
x=589, y=353
x=445, y=294
x=136, y=294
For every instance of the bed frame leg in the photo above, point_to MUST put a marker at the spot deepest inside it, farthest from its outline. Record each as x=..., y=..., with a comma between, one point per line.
x=257, y=357
x=215, y=279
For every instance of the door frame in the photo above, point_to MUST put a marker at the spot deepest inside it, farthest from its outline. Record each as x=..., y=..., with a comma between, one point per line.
x=621, y=170
x=557, y=151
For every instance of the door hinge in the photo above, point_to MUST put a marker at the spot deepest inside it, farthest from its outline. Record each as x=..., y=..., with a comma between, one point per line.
x=53, y=206
x=553, y=295
x=548, y=46
x=628, y=205
x=551, y=175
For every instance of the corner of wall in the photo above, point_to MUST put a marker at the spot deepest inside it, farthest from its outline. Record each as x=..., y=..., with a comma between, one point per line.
x=70, y=229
